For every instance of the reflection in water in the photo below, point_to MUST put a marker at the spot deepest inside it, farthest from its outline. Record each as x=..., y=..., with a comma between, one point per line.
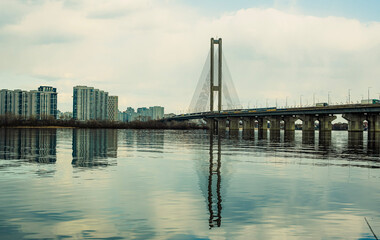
x=276, y=190
x=355, y=141
x=248, y=134
x=325, y=139
x=275, y=136
x=91, y=146
x=289, y=136
x=36, y=144
x=214, y=184
x=308, y=137
x=374, y=142
x=233, y=134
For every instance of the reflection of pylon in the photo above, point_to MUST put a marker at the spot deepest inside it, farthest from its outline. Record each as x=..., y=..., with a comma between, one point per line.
x=214, y=185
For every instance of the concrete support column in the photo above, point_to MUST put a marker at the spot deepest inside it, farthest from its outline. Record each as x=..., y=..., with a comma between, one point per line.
x=289, y=123
x=355, y=122
x=222, y=124
x=234, y=124
x=248, y=124
x=263, y=124
x=274, y=132
x=275, y=123
x=263, y=127
x=373, y=123
x=308, y=123
x=325, y=123
x=210, y=124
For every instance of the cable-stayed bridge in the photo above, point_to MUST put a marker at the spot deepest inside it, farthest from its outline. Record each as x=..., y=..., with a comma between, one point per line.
x=215, y=88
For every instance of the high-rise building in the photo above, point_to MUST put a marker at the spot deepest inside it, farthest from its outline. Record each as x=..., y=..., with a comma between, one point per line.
x=157, y=112
x=82, y=96
x=89, y=103
x=20, y=103
x=113, y=110
x=41, y=103
x=46, y=102
x=100, y=109
x=6, y=97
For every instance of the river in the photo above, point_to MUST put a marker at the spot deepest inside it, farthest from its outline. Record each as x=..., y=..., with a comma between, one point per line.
x=169, y=184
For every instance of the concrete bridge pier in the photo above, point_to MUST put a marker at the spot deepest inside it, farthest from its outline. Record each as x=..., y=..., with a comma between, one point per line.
x=373, y=122
x=274, y=123
x=325, y=124
x=248, y=123
x=325, y=128
x=355, y=122
x=211, y=124
x=234, y=123
x=289, y=123
x=289, y=128
x=274, y=131
x=248, y=127
x=308, y=123
x=222, y=125
x=262, y=127
x=308, y=128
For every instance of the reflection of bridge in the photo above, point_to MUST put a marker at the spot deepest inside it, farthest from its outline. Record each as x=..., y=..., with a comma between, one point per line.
x=264, y=118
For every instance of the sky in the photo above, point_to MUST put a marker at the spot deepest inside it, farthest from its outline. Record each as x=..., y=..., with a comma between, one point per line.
x=152, y=52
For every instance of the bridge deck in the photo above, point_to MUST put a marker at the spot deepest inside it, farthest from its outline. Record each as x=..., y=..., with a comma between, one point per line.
x=268, y=112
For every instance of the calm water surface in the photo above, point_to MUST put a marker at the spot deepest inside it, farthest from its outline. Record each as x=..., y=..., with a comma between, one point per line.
x=137, y=184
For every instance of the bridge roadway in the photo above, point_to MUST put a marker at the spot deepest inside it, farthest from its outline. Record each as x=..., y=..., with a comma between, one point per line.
x=355, y=114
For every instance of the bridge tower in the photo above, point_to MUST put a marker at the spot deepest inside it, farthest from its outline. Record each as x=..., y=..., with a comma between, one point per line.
x=216, y=88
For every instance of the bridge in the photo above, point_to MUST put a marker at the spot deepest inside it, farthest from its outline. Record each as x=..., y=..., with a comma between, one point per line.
x=273, y=118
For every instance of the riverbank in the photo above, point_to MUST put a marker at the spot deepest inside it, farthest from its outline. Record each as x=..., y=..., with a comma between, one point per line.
x=52, y=123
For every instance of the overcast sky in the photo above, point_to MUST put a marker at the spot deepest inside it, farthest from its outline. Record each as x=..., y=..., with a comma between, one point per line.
x=152, y=52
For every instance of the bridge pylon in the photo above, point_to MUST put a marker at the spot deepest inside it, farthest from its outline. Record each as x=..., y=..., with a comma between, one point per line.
x=216, y=88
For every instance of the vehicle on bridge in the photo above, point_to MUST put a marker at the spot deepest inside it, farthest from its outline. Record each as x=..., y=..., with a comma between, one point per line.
x=250, y=110
x=370, y=101
x=321, y=104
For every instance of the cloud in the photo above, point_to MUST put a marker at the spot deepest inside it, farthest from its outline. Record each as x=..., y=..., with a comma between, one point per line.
x=152, y=52
x=54, y=38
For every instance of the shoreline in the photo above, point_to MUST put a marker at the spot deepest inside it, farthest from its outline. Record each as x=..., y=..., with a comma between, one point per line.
x=37, y=127
x=72, y=124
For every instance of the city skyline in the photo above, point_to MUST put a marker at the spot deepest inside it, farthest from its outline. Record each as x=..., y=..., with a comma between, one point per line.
x=151, y=52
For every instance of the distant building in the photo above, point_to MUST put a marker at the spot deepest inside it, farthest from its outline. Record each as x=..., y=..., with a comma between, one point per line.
x=113, y=110
x=169, y=115
x=89, y=103
x=143, y=114
x=41, y=103
x=157, y=112
x=65, y=115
